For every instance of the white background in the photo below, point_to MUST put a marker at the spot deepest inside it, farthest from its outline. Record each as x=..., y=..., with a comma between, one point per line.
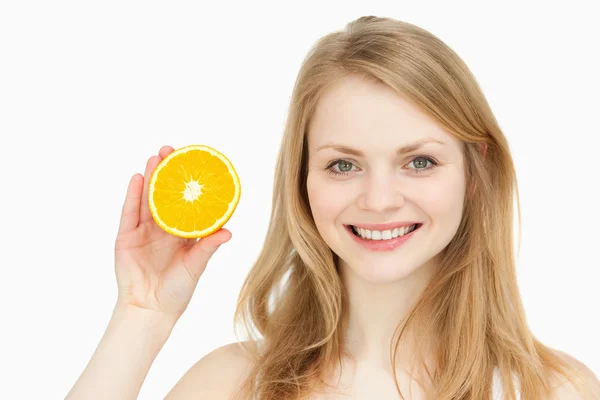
x=90, y=90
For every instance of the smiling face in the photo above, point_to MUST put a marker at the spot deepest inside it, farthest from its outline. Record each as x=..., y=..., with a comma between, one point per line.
x=379, y=185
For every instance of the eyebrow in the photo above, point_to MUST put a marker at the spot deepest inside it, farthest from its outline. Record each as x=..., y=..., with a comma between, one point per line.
x=402, y=150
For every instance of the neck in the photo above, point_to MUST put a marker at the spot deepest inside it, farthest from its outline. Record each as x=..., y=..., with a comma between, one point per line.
x=377, y=309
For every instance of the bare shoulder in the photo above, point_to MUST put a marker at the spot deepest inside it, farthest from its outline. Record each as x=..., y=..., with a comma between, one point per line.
x=215, y=376
x=566, y=390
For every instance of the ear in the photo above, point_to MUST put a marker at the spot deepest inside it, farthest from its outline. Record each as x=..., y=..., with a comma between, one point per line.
x=483, y=148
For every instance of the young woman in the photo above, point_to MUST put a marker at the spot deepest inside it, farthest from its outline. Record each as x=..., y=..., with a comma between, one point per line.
x=388, y=268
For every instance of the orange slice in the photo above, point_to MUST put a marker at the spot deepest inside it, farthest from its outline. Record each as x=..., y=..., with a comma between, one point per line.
x=193, y=191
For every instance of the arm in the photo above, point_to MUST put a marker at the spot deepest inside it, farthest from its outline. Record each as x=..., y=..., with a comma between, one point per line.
x=124, y=355
x=157, y=273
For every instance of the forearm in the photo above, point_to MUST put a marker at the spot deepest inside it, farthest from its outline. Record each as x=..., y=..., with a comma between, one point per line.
x=123, y=357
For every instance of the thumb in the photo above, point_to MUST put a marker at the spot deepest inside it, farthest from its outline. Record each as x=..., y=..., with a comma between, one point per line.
x=201, y=252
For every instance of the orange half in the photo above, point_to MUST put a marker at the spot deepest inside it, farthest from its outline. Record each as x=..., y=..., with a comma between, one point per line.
x=193, y=191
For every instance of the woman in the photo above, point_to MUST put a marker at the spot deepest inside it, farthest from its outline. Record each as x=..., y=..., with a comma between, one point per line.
x=388, y=266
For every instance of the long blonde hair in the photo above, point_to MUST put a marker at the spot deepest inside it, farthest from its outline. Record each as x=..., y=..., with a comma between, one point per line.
x=293, y=294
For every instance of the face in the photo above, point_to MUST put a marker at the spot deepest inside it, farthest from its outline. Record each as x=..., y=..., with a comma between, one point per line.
x=424, y=185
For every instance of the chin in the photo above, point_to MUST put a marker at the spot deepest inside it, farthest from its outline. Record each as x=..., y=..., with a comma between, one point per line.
x=381, y=273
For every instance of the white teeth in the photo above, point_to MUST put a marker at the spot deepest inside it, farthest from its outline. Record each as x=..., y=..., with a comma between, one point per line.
x=383, y=235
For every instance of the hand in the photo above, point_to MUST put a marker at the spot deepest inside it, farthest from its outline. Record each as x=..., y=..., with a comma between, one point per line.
x=156, y=270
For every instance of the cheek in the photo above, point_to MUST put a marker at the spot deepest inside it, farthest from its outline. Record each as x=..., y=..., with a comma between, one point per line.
x=444, y=198
x=326, y=201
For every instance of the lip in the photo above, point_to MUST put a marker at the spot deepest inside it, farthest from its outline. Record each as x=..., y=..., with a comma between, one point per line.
x=382, y=245
x=389, y=225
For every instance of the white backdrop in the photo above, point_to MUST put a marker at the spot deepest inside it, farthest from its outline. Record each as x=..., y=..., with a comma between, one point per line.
x=90, y=90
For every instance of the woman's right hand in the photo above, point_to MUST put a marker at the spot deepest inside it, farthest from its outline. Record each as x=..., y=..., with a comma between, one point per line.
x=157, y=271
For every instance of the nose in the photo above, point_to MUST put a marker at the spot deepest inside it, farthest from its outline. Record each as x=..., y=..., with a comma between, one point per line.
x=381, y=194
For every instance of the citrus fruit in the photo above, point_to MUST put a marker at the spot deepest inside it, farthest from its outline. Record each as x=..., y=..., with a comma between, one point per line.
x=193, y=191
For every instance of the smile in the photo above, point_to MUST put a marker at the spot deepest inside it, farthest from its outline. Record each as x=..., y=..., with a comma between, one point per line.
x=383, y=240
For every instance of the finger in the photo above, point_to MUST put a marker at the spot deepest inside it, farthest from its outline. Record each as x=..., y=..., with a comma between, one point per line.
x=198, y=256
x=130, y=214
x=150, y=167
x=165, y=151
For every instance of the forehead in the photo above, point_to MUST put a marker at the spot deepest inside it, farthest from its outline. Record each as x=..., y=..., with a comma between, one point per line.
x=358, y=110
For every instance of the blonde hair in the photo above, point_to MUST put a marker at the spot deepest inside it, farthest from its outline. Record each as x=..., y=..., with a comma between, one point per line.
x=293, y=295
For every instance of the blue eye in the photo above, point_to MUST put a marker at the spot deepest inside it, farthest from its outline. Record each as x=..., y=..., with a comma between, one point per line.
x=425, y=158
x=331, y=170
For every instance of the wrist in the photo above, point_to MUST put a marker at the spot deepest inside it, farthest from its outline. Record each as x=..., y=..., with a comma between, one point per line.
x=149, y=319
